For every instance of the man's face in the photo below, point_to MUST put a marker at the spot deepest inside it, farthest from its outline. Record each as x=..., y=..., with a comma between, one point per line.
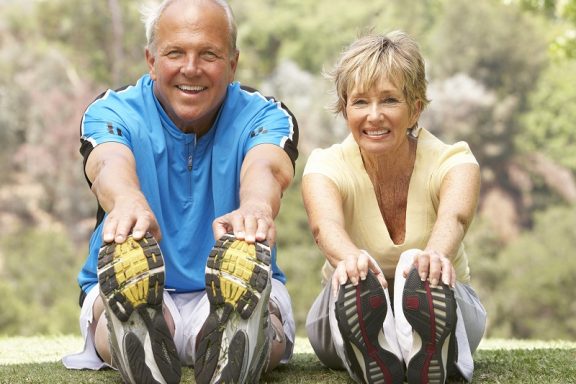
x=192, y=64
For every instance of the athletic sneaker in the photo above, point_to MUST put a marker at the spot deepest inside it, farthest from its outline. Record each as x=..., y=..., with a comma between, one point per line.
x=361, y=311
x=131, y=278
x=235, y=342
x=431, y=311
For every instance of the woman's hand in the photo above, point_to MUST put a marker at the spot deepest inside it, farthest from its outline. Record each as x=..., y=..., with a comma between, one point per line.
x=355, y=268
x=434, y=266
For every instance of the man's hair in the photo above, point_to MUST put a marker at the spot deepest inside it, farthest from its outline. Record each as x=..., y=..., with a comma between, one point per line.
x=152, y=12
x=395, y=56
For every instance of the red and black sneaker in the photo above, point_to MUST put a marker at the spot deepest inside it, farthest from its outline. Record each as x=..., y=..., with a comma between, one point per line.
x=360, y=312
x=431, y=311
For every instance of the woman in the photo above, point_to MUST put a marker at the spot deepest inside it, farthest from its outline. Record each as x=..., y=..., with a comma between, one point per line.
x=389, y=208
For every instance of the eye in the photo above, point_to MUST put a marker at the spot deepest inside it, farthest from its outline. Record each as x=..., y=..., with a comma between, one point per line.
x=357, y=102
x=390, y=100
x=173, y=54
x=210, y=56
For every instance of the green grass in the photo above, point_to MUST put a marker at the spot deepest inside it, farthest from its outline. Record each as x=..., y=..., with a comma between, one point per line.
x=36, y=360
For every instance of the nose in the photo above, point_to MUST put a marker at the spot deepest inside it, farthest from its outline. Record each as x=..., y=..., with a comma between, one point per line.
x=375, y=112
x=190, y=66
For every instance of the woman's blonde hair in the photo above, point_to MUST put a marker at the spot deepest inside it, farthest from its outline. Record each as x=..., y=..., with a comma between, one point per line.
x=395, y=56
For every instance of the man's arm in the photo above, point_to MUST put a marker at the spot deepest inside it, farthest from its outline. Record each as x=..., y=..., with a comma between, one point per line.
x=266, y=172
x=111, y=169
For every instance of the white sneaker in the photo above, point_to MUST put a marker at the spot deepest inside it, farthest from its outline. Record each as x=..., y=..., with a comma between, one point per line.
x=361, y=311
x=431, y=311
x=235, y=339
x=131, y=279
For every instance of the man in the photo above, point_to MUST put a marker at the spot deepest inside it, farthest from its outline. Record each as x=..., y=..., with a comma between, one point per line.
x=183, y=157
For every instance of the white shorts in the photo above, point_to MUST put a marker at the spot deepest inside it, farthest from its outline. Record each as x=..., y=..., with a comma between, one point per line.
x=189, y=311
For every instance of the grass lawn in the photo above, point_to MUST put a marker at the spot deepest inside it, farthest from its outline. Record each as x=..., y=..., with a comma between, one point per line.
x=36, y=360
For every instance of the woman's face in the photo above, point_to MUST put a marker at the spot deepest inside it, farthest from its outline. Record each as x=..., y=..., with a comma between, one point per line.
x=379, y=117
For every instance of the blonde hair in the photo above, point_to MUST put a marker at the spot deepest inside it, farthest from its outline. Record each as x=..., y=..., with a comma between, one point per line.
x=395, y=56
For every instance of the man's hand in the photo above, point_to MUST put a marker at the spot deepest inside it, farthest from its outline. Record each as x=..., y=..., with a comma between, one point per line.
x=249, y=222
x=130, y=215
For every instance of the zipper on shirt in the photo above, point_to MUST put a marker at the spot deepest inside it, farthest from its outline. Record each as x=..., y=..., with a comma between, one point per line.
x=190, y=161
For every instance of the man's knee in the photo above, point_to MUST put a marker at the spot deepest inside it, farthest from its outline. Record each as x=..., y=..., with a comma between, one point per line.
x=278, y=342
x=101, y=339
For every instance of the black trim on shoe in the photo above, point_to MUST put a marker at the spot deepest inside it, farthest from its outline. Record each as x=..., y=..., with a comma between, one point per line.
x=360, y=312
x=131, y=279
x=234, y=343
x=431, y=311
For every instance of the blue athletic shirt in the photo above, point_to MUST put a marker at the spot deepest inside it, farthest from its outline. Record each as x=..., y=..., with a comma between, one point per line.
x=188, y=181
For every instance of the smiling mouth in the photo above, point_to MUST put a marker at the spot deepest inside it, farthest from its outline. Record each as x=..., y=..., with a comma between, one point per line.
x=193, y=89
x=378, y=133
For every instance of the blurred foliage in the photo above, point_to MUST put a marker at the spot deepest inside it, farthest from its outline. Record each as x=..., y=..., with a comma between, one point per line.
x=549, y=124
x=109, y=34
x=501, y=76
x=298, y=257
x=536, y=275
x=38, y=283
x=313, y=33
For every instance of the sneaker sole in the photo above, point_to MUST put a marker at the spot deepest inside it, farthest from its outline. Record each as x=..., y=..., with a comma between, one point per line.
x=360, y=312
x=131, y=278
x=237, y=281
x=431, y=311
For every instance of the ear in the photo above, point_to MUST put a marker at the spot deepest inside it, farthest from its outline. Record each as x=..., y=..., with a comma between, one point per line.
x=233, y=65
x=416, y=112
x=151, y=60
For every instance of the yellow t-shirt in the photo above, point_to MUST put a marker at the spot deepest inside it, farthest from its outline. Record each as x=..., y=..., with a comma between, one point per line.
x=342, y=163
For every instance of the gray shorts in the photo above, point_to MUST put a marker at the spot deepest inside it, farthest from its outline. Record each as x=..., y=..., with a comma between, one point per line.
x=470, y=325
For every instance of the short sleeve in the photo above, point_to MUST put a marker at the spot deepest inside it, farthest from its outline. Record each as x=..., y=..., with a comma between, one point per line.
x=453, y=155
x=330, y=163
x=102, y=124
x=275, y=124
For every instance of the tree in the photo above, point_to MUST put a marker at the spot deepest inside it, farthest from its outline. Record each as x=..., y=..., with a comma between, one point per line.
x=537, y=274
x=312, y=33
x=105, y=37
x=548, y=127
x=563, y=14
x=37, y=283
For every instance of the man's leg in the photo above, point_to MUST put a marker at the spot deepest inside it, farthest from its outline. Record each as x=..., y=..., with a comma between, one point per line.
x=278, y=341
x=101, y=335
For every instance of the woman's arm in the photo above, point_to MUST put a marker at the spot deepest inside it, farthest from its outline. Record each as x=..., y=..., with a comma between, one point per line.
x=459, y=194
x=323, y=204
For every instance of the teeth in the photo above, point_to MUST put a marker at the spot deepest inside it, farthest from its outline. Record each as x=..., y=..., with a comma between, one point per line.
x=191, y=88
x=377, y=133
